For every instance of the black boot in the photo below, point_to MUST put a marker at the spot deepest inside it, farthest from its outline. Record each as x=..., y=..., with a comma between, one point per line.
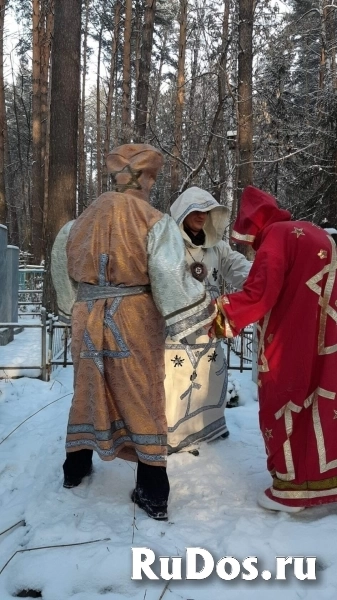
x=155, y=511
x=152, y=491
x=76, y=466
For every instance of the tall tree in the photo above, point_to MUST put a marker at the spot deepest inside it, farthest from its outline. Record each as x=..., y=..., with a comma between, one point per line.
x=65, y=94
x=112, y=75
x=180, y=98
x=245, y=94
x=82, y=187
x=3, y=204
x=126, y=112
x=143, y=81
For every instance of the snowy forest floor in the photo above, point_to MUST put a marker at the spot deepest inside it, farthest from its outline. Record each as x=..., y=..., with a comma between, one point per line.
x=212, y=505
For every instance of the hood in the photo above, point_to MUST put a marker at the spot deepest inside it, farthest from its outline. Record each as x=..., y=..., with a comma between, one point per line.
x=257, y=210
x=197, y=199
x=134, y=166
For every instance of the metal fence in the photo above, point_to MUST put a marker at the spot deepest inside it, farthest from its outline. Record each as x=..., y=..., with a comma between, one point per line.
x=240, y=351
x=40, y=325
x=58, y=346
x=30, y=289
x=56, y=339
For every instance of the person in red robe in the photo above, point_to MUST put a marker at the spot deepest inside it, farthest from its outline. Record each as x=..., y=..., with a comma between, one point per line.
x=291, y=292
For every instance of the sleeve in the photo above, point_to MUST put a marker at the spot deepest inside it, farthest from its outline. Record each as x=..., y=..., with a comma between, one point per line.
x=260, y=292
x=181, y=299
x=234, y=266
x=65, y=286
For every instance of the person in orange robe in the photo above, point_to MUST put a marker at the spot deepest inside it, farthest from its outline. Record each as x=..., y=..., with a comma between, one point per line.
x=291, y=292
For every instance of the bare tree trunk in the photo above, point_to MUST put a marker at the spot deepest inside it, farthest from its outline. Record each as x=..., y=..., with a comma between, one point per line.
x=245, y=104
x=144, y=72
x=180, y=99
x=191, y=105
x=45, y=104
x=82, y=184
x=37, y=171
x=138, y=19
x=110, y=94
x=220, y=127
x=98, y=116
x=159, y=79
x=126, y=113
x=65, y=93
x=3, y=203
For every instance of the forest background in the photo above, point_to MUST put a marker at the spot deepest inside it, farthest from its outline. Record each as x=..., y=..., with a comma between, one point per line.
x=233, y=92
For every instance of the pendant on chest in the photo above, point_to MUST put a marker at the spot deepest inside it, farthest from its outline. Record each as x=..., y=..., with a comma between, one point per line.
x=198, y=270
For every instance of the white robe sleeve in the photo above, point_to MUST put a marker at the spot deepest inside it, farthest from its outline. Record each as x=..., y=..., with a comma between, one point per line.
x=181, y=299
x=234, y=266
x=65, y=286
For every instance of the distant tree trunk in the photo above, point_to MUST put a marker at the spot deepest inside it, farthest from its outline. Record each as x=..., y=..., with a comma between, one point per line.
x=37, y=171
x=180, y=99
x=110, y=94
x=159, y=79
x=138, y=19
x=220, y=128
x=3, y=203
x=245, y=103
x=192, y=141
x=45, y=103
x=98, y=117
x=82, y=183
x=126, y=113
x=144, y=71
x=65, y=93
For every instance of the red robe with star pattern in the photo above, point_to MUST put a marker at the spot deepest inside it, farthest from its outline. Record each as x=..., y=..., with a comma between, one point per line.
x=292, y=293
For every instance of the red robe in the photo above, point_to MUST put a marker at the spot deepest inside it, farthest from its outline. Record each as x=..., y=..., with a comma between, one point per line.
x=292, y=293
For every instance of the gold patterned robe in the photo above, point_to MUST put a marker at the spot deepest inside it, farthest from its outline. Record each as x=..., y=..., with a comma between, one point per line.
x=121, y=243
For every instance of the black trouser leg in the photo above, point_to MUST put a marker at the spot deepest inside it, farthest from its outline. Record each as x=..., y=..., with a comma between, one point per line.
x=77, y=464
x=153, y=486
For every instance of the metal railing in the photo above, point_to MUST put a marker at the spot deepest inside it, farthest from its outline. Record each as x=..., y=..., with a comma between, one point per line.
x=58, y=346
x=241, y=347
x=56, y=338
x=41, y=325
x=30, y=289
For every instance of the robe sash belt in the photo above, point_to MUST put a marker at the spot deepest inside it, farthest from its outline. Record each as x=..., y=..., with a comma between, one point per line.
x=88, y=291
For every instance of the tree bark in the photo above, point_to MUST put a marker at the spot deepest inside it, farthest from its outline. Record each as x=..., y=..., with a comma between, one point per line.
x=37, y=171
x=82, y=184
x=98, y=116
x=107, y=136
x=126, y=113
x=220, y=126
x=144, y=71
x=65, y=93
x=180, y=99
x=45, y=103
x=245, y=104
x=3, y=203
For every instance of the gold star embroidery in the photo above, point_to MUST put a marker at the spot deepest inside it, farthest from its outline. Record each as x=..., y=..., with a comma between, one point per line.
x=322, y=254
x=270, y=338
x=335, y=416
x=298, y=231
x=259, y=382
x=268, y=434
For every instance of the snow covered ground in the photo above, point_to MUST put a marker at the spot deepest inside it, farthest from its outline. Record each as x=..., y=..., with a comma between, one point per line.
x=212, y=505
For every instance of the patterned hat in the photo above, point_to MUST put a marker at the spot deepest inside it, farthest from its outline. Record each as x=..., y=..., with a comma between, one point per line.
x=134, y=166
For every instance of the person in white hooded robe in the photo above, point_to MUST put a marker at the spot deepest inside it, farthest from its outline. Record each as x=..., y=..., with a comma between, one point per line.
x=196, y=367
